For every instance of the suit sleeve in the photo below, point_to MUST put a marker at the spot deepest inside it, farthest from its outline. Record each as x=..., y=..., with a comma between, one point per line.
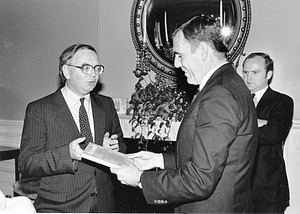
x=279, y=122
x=116, y=129
x=169, y=161
x=210, y=136
x=35, y=158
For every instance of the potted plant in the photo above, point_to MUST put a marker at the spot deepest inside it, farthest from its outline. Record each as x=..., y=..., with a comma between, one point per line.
x=154, y=106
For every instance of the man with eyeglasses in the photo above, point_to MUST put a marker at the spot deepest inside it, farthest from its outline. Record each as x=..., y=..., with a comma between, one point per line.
x=216, y=142
x=56, y=130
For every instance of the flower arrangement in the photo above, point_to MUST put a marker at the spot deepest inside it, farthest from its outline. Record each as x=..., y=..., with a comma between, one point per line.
x=155, y=104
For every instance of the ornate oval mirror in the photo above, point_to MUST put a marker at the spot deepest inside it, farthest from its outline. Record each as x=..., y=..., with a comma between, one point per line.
x=153, y=22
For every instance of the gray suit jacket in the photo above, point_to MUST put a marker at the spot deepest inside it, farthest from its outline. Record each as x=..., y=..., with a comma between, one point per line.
x=48, y=129
x=216, y=142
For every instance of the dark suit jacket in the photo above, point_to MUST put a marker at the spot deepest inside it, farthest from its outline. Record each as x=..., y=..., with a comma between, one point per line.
x=216, y=145
x=269, y=176
x=48, y=129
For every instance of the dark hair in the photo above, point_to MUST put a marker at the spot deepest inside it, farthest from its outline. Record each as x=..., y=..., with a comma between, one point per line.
x=69, y=54
x=203, y=28
x=269, y=63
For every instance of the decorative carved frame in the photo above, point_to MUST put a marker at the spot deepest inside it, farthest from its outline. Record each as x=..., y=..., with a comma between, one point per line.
x=164, y=67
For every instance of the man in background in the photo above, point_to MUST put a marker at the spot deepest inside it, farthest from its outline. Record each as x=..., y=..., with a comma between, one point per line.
x=270, y=190
x=216, y=141
x=56, y=130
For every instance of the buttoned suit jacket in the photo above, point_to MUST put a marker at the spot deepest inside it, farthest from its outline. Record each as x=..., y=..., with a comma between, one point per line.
x=270, y=182
x=48, y=129
x=215, y=149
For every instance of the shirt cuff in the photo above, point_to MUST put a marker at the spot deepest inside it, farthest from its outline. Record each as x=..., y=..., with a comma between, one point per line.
x=160, y=160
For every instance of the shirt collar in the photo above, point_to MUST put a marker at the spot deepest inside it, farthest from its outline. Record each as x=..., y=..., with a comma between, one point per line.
x=71, y=98
x=209, y=74
x=260, y=93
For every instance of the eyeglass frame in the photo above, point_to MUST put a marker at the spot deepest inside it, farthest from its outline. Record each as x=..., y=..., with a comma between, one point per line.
x=92, y=68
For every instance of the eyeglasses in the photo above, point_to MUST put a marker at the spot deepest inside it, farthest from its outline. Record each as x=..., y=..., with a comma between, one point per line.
x=87, y=69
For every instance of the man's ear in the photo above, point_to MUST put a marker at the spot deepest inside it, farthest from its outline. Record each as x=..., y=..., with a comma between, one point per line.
x=66, y=71
x=203, y=50
x=269, y=74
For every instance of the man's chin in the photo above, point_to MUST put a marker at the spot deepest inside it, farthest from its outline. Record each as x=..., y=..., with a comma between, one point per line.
x=191, y=82
x=250, y=88
x=89, y=89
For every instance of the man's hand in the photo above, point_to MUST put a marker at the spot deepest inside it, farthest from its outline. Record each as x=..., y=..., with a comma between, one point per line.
x=130, y=175
x=75, y=150
x=261, y=122
x=111, y=142
x=147, y=160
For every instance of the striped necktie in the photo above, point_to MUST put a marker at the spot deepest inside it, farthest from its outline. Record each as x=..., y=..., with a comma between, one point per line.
x=84, y=124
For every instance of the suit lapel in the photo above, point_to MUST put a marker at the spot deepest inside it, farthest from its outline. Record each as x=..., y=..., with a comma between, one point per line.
x=63, y=115
x=65, y=119
x=216, y=75
x=264, y=101
x=99, y=119
x=211, y=81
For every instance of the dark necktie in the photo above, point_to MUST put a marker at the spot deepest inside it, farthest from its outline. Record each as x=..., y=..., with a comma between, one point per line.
x=254, y=99
x=85, y=130
x=84, y=124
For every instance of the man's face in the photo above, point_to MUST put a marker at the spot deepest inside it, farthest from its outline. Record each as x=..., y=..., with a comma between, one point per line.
x=190, y=62
x=255, y=75
x=78, y=82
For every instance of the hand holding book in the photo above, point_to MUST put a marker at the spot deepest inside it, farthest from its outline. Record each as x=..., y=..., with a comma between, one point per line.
x=146, y=160
x=130, y=175
x=107, y=157
x=111, y=142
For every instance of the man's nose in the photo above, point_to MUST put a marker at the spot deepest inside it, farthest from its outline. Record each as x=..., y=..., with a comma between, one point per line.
x=93, y=72
x=248, y=76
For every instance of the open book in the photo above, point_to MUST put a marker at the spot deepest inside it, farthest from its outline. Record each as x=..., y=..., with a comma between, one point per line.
x=107, y=157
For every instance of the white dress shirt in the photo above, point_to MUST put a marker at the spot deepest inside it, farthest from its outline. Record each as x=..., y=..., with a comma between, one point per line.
x=73, y=102
x=259, y=94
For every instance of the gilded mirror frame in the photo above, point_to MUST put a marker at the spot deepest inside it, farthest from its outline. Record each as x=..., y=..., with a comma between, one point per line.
x=160, y=17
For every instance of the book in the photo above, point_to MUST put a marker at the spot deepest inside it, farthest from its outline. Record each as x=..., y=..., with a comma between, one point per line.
x=107, y=157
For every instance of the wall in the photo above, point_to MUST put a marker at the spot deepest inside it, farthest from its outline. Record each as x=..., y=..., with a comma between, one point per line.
x=10, y=135
x=275, y=30
x=116, y=48
x=33, y=33
x=292, y=162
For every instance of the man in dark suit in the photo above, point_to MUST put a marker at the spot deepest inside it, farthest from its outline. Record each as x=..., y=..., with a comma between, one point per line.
x=52, y=140
x=270, y=189
x=216, y=142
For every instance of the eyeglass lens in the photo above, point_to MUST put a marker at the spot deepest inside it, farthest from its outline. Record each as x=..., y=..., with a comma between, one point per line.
x=88, y=68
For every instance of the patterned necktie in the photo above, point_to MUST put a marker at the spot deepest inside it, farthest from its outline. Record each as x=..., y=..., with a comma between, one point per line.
x=84, y=124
